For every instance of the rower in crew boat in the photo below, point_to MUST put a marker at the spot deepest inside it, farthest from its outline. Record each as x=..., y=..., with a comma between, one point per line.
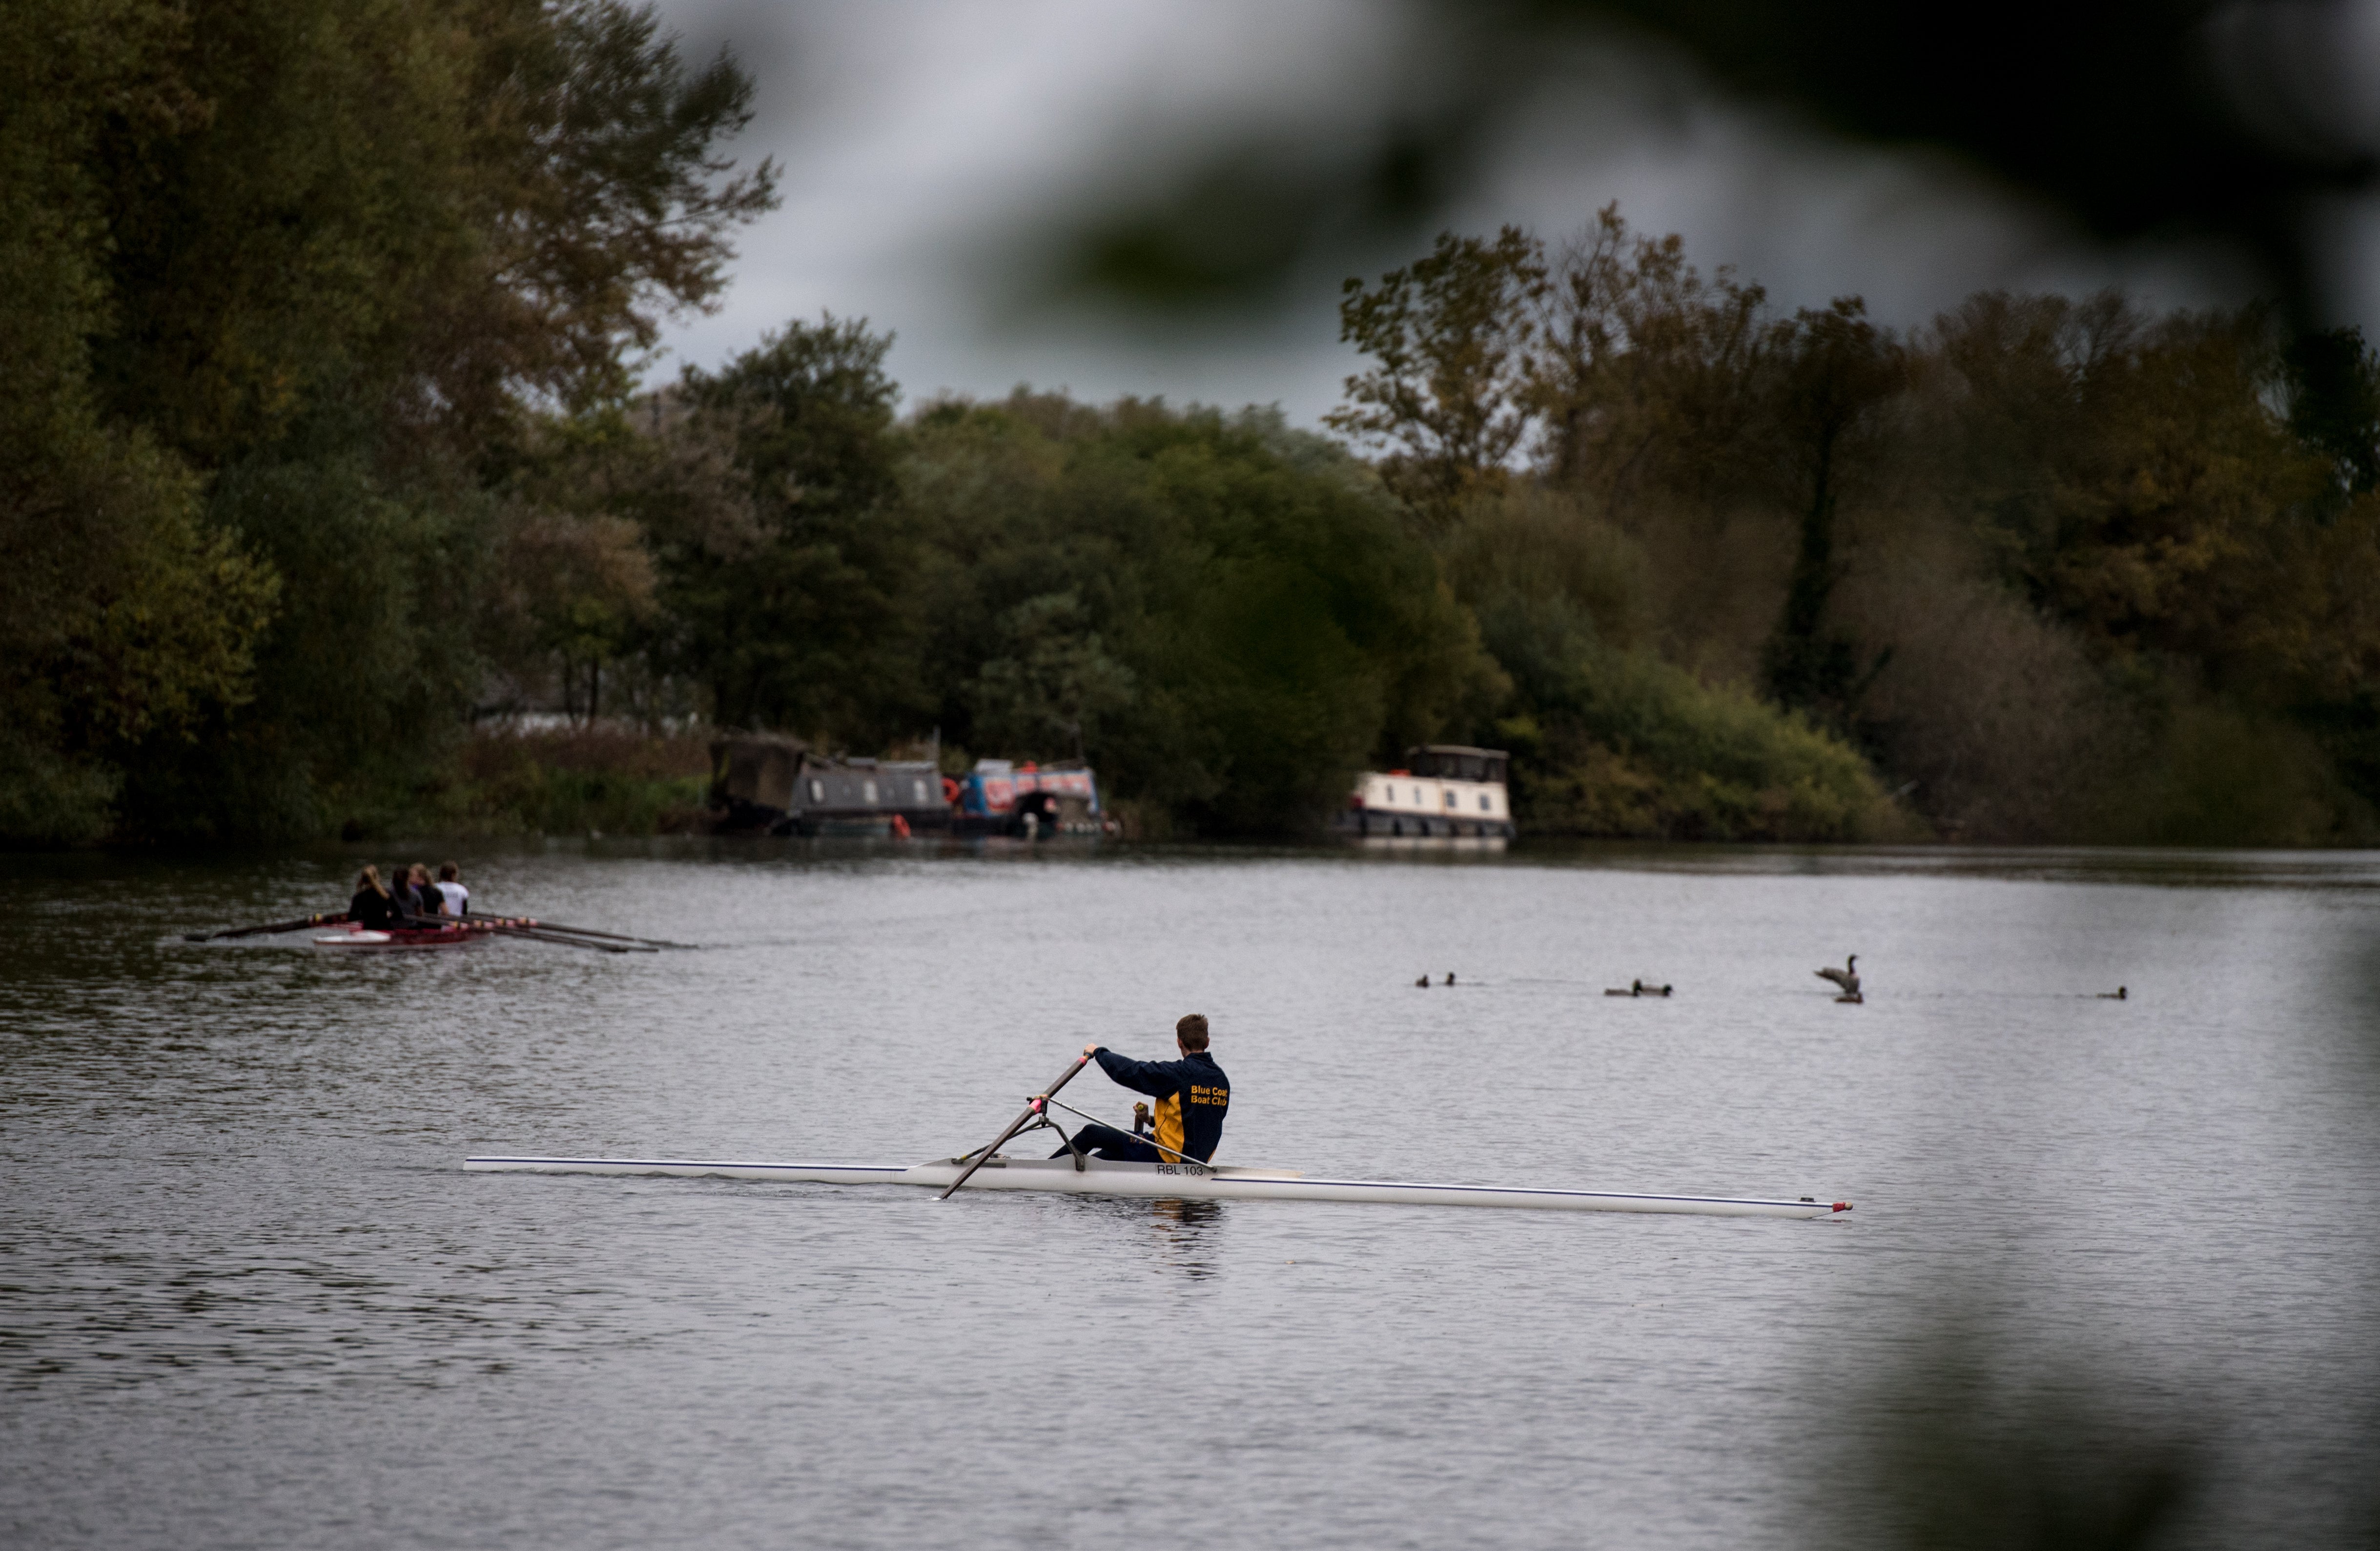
x=1192, y=1095
x=372, y=908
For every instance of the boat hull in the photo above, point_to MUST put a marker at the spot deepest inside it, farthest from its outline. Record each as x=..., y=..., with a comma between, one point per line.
x=358, y=938
x=1171, y=1181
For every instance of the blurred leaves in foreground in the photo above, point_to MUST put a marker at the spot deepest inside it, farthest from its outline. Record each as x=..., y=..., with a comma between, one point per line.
x=2220, y=129
x=1966, y=1449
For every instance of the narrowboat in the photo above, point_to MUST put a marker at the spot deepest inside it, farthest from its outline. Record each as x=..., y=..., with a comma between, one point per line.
x=998, y=797
x=780, y=786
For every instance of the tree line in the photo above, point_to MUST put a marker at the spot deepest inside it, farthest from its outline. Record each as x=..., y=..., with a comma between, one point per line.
x=2058, y=570
x=322, y=444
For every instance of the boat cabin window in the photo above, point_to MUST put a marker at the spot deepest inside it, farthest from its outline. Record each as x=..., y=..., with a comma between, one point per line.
x=1483, y=801
x=817, y=791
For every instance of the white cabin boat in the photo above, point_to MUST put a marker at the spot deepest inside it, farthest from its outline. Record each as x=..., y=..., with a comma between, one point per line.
x=1445, y=792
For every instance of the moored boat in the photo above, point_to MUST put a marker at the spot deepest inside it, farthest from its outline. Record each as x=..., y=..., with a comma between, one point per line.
x=1443, y=791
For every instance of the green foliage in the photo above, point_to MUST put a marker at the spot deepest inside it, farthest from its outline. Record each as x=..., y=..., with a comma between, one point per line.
x=2126, y=514
x=276, y=291
x=791, y=618
x=576, y=783
x=1619, y=743
x=1232, y=613
x=362, y=677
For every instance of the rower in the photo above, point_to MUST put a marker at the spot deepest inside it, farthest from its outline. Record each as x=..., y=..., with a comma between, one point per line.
x=450, y=884
x=1192, y=1095
x=372, y=908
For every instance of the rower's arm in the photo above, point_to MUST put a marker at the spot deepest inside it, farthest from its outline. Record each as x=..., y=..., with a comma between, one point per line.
x=1141, y=1076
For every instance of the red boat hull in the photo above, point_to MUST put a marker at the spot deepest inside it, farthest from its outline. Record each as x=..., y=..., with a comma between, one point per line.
x=399, y=936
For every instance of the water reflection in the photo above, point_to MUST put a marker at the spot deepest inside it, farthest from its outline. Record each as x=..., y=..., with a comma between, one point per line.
x=1188, y=1234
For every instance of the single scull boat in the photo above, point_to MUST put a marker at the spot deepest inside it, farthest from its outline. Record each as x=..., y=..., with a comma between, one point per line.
x=1172, y=1180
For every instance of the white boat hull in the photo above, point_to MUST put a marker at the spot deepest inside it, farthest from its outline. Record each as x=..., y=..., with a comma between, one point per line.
x=1173, y=1181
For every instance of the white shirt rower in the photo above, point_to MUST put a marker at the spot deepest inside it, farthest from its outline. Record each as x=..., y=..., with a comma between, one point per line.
x=450, y=884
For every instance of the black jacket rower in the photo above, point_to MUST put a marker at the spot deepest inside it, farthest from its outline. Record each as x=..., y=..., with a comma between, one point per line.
x=1192, y=1095
x=372, y=908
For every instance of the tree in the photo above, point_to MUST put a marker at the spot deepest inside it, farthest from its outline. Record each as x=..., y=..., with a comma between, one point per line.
x=1648, y=375
x=2335, y=403
x=798, y=622
x=1451, y=336
x=1049, y=693
x=283, y=287
x=1833, y=369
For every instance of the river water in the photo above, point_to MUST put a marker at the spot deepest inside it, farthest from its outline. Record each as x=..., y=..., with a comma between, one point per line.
x=2104, y=1253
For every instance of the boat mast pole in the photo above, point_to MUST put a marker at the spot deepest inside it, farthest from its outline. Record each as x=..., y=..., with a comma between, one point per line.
x=1032, y=1108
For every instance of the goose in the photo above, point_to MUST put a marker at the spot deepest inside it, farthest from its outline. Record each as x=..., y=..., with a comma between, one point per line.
x=1846, y=977
x=1449, y=977
x=1423, y=982
x=1853, y=998
x=2121, y=993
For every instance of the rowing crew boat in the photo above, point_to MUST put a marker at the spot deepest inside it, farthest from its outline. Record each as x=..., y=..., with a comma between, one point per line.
x=1190, y=1181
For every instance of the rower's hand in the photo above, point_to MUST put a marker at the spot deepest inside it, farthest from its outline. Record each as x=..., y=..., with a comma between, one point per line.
x=1090, y=1049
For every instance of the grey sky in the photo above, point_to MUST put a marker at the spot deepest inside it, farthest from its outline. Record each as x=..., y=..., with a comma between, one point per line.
x=919, y=138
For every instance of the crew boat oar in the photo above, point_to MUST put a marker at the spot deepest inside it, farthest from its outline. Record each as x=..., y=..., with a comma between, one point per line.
x=1035, y=1109
x=328, y=918
x=507, y=928
x=531, y=923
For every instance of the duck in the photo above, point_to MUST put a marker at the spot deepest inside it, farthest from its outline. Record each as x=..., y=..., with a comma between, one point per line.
x=1423, y=982
x=1847, y=977
x=2121, y=993
x=1449, y=977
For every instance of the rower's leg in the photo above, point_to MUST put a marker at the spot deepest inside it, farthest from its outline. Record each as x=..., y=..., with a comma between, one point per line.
x=1107, y=1142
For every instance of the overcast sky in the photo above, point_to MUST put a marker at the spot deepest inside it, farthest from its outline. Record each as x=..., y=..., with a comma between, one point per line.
x=917, y=138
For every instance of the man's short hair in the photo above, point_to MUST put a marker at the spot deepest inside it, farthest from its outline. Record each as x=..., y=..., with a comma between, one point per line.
x=1192, y=1032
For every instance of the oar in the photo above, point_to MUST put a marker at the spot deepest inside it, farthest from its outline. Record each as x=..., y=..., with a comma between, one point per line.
x=506, y=928
x=542, y=926
x=535, y=936
x=330, y=920
x=1032, y=1108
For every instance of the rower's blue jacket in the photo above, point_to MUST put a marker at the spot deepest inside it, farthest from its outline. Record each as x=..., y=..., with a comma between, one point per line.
x=1191, y=1095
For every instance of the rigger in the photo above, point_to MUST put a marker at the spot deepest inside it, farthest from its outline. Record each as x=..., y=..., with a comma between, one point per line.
x=1192, y=1097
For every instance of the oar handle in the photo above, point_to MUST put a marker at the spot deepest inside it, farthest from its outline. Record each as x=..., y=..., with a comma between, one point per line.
x=1032, y=1107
